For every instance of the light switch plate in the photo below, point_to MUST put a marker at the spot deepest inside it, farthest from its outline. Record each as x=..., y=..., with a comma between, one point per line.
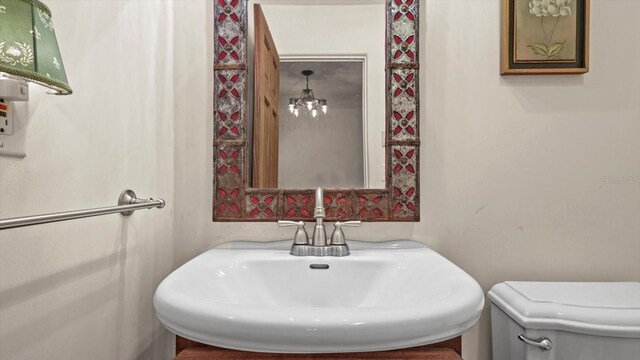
x=13, y=138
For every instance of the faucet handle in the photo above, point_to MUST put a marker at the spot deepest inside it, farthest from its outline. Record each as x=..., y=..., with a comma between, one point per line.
x=354, y=223
x=337, y=238
x=286, y=223
x=301, y=237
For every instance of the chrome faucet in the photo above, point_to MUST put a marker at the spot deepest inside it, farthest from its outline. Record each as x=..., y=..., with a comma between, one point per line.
x=319, y=246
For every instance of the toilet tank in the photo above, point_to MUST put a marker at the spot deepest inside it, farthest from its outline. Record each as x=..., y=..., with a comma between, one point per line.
x=565, y=321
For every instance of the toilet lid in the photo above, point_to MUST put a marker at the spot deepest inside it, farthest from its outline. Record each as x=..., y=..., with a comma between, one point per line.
x=601, y=309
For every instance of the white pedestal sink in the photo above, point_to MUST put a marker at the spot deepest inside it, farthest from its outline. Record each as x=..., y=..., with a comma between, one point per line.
x=257, y=297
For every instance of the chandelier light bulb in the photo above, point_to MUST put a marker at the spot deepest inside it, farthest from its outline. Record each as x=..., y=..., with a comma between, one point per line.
x=295, y=112
x=314, y=112
x=291, y=106
x=309, y=105
x=324, y=109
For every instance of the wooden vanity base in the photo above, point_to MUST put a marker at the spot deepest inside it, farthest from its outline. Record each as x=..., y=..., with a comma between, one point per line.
x=446, y=350
x=407, y=354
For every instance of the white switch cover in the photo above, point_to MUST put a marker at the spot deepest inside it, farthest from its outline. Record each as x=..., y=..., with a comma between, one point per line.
x=13, y=129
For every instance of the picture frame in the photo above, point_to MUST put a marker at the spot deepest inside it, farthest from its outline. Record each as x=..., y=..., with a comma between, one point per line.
x=545, y=37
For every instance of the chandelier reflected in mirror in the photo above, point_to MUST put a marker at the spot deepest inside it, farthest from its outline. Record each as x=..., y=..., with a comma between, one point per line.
x=307, y=100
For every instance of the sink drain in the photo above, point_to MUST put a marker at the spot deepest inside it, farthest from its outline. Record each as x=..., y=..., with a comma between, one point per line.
x=319, y=266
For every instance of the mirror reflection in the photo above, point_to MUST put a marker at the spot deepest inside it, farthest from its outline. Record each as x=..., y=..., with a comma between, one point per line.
x=316, y=116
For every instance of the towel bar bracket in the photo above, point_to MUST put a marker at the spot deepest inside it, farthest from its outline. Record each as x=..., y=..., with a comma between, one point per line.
x=128, y=197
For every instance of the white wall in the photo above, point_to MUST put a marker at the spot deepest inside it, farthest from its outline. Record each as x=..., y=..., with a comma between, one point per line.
x=83, y=289
x=512, y=167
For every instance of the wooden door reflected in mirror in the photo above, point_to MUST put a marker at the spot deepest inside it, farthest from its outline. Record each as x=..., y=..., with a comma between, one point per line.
x=265, y=110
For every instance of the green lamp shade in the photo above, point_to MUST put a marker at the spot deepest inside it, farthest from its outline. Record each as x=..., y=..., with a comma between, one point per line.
x=28, y=45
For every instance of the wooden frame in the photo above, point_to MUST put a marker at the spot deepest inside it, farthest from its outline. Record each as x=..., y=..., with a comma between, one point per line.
x=508, y=63
x=234, y=200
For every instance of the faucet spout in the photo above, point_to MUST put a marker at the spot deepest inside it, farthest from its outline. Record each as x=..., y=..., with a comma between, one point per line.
x=319, y=210
x=319, y=233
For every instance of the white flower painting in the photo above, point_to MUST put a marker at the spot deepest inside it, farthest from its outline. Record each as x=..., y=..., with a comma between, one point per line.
x=546, y=30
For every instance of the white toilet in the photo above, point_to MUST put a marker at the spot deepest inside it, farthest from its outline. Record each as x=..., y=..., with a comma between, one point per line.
x=565, y=321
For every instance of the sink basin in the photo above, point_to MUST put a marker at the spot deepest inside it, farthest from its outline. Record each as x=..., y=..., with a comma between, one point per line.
x=257, y=297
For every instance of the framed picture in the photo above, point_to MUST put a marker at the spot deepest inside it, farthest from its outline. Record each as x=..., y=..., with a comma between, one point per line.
x=545, y=37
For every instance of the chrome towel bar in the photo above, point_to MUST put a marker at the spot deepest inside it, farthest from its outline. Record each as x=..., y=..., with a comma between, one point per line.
x=127, y=204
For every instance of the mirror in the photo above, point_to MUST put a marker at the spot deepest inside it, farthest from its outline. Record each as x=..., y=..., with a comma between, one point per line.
x=321, y=63
x=315, y=93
